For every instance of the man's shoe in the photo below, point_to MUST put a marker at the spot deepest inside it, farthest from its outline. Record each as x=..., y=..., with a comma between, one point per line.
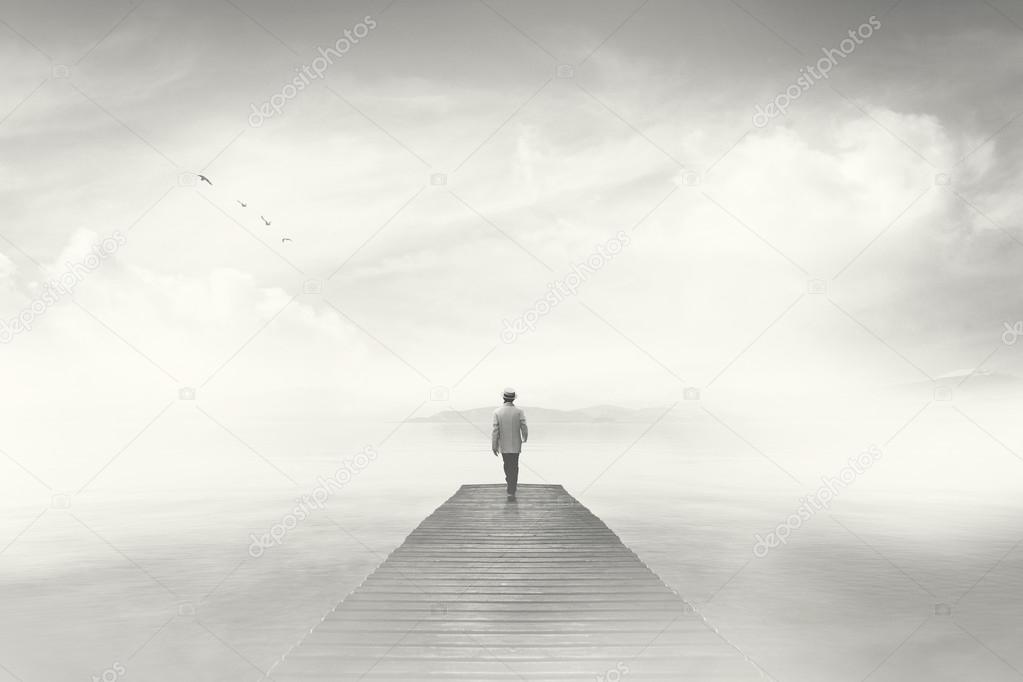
x=511, y=498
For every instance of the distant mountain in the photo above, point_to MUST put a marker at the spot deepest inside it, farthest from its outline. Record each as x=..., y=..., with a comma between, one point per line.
x=971, y=382
x=585, y=415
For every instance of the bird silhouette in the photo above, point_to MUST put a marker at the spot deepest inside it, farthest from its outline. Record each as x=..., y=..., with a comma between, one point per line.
x=265, y=221
x=242, y=203
x=205, y=179
x=285, y=239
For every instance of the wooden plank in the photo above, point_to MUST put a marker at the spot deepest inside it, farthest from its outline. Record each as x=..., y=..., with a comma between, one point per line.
x=537, y=589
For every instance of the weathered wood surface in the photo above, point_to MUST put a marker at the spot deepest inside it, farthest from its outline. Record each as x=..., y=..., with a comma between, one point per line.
x=538, y=589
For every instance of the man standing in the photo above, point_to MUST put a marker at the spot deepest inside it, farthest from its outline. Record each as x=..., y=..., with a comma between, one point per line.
x=509, y=434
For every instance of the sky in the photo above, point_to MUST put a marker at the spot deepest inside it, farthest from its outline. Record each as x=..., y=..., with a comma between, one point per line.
x=461, y=158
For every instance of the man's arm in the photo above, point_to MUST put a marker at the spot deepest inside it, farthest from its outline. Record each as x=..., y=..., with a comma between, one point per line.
x=495, y=436
x=522, y=427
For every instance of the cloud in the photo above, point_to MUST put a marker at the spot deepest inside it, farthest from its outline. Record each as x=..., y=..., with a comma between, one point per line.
x=186, y=324
x=708, y=272
x=7, y=267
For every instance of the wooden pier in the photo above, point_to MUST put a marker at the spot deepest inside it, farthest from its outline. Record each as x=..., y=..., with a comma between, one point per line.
x=537, y=589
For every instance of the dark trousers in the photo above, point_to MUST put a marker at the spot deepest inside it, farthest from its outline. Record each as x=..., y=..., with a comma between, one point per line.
x=511, y=470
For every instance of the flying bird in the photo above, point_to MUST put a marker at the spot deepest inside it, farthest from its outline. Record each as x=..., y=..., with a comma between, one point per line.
x=285, y=239
x=265, y=221
x=242, y=203
x=203, y=178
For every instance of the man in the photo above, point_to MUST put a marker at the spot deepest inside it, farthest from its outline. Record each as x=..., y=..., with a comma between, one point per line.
x=509, y=434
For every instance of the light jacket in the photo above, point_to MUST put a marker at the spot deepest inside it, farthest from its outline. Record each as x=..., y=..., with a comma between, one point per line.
x=510, y=430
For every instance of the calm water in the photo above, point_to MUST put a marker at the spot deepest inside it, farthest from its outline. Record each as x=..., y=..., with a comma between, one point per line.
x=913, y=572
